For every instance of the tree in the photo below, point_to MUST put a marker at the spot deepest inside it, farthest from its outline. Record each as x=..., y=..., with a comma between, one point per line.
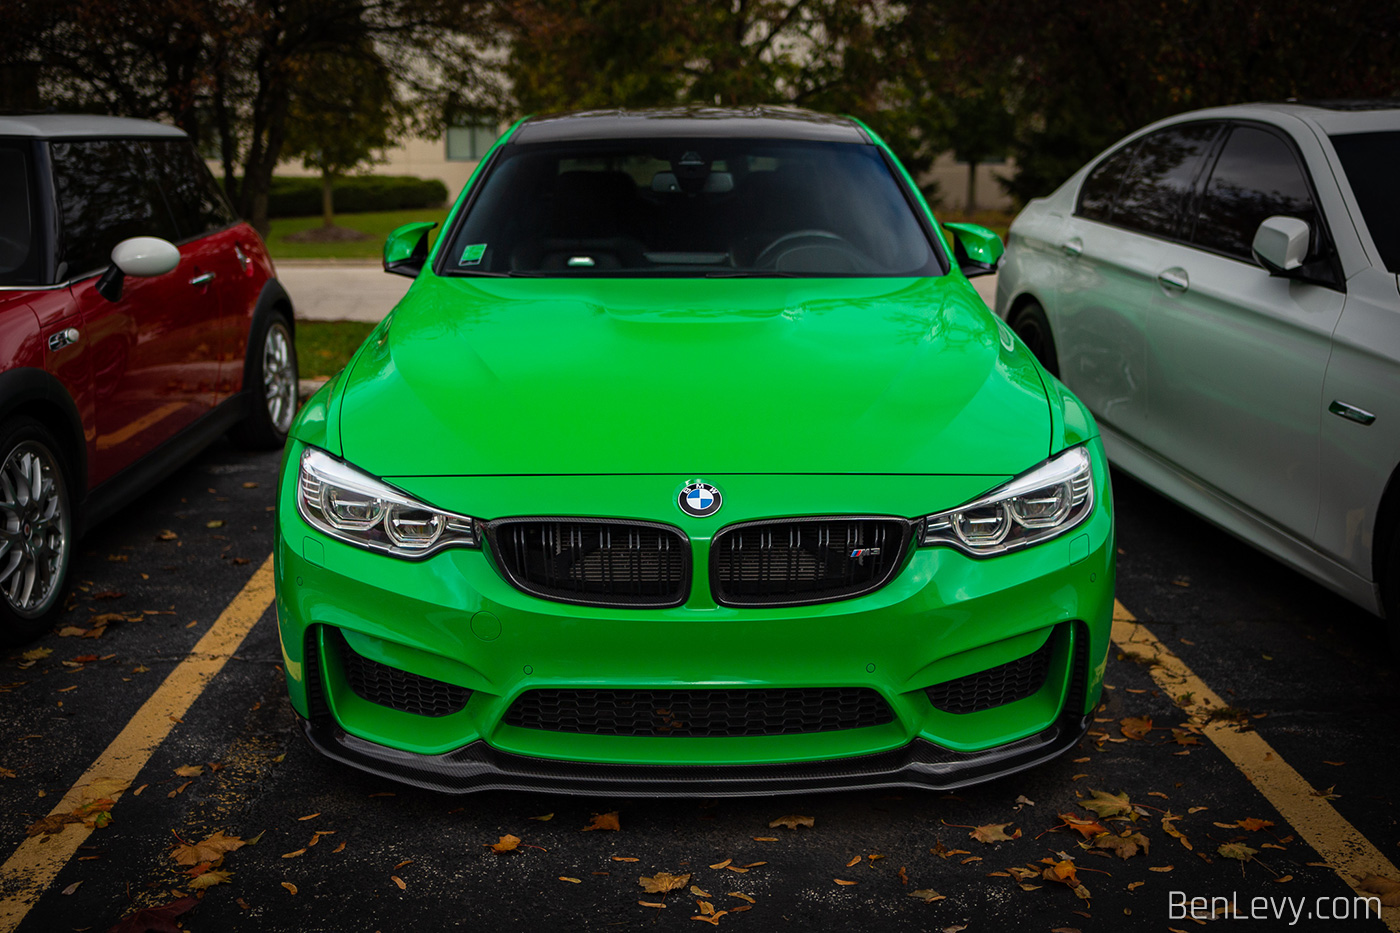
x=343, y=110
x=227, y=70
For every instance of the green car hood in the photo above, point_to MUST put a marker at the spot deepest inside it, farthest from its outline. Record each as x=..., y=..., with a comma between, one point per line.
x=474, y=376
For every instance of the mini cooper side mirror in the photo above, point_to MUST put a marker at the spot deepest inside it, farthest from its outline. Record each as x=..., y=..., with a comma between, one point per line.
x=141, y=256
x=976, y=249
x=1281, y=244
x=406, y=249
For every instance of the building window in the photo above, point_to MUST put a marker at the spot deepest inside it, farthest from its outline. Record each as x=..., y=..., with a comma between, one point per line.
x=469, y=143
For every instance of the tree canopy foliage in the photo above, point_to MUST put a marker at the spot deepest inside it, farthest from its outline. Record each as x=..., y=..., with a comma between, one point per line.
x=1049, y=82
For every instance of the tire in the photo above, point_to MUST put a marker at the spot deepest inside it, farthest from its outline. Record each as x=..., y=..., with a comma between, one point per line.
x=36, y=529
x=1033, y=327
x=270, y=380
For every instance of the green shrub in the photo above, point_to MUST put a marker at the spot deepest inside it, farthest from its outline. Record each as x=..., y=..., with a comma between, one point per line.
x=354, y=194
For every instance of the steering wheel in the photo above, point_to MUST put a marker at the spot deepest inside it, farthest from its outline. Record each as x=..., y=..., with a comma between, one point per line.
x=799, y=238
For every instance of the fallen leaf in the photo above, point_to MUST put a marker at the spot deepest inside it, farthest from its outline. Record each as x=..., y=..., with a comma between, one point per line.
x=1134, y=885
x=662, y=882
x=656, y=904
x=1335, y=764
x=711, y=919
x=291, y=888
x=179, y=790
x=403, y=886
x=1388, y=889
x=927, y=895
x=994, y=832
x=166, y=535
x=699, y=892
x=211, y=849
x=1237, y=850
x=297, y=854
x=189, y=771
x=724, y=864
x=756, y=864
x=1108, y=805
x=215, y=523
x=744, y=897
x=208, y=879
x=1124, y=846
x=1287, y=878
x=570, y=880
x=507, y=843
x=1086, y=828
x=603, y=821
x=1161, y=868
x=6, y=773
x=765, y=838
x=792, y=821
x=854, y=861
x=547, y=816
x=623, y=858
x=737, y=868
x=1171, y=830
x=1254, y=824
x=705, y=906
x=160, y=918
x=250, y=485
x=37, y=654
x=843, y=881
x=72, y=887
x=1135, y=727
x=312, y=816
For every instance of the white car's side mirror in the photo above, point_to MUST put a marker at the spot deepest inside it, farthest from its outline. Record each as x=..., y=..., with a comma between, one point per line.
x=1281, y=244
x=141, y=256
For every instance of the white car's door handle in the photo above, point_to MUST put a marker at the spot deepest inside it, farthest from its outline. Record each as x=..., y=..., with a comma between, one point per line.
x=1073, y=247
x=203, y=279
x=1174, y=280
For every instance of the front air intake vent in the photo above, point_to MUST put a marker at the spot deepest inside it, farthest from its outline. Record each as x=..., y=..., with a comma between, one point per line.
x=594, y=562
x=800, y=561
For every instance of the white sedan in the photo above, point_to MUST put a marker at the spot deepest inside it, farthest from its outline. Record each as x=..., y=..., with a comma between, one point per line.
x=1221, y=289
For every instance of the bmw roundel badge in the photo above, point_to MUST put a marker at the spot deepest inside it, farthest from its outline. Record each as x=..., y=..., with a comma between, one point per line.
x=700, y=499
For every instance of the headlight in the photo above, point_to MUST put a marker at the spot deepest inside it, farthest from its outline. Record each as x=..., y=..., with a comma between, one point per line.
x=1036, y=506
x=358, y=509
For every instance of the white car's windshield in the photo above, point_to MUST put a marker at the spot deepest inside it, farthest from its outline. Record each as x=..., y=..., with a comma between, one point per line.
x=1369, y=160
x=691, y=207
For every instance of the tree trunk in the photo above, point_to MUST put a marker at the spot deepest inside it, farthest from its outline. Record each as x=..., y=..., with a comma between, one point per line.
x=971, y=206
x=327, y=199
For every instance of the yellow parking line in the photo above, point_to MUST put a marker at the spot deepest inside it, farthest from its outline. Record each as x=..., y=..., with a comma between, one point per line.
x=38, y=860
x=1351, y=855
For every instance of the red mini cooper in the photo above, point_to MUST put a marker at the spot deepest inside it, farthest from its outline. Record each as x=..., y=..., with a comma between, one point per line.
x=139, y=320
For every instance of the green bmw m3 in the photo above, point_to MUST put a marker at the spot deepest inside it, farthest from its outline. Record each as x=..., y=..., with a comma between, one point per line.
x=692, y=464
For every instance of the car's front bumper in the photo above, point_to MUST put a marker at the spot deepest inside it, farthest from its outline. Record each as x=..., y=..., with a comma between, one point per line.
x=454, y=619
x=477, y=766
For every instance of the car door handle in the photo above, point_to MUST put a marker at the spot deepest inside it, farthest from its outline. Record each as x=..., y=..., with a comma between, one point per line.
x=1174, y=280
x=202, y=279
x=1073, y=247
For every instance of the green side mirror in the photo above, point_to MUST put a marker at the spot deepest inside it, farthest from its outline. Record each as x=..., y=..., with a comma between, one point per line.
x=977, y=249
x=406, y=249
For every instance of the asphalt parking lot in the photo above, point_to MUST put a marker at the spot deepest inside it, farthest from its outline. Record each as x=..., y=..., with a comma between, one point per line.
x=145, y=686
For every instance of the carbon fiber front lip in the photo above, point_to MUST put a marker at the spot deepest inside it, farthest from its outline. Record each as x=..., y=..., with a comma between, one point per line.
x=478, y=767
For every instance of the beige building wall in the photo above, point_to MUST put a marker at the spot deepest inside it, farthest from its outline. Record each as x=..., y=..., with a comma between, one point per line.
x=427, y=158
x=951, y=176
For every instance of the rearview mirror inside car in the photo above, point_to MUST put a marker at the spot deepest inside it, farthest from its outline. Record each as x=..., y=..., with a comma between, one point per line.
x=406, y=249
x=976, y=249
x=1281, y=244
x=141, y=256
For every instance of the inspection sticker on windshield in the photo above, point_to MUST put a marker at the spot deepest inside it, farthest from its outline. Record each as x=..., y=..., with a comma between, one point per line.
x=472, y=254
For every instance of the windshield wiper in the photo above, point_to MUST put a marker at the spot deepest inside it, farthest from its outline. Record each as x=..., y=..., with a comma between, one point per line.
x=752, y=274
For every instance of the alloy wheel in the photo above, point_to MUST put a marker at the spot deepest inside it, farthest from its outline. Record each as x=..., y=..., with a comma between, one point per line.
x=35, y=533
x=279, y=377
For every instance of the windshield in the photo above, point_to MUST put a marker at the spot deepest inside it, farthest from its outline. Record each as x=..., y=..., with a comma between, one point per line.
x=20, y=258
x=691, y=207
x=1369, y=160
